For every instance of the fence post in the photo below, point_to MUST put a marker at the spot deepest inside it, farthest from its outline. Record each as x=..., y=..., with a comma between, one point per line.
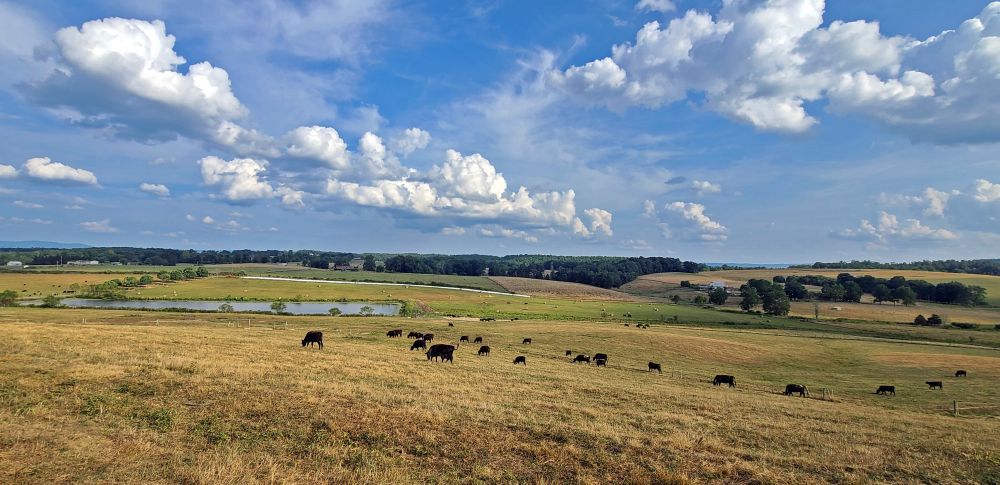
x=954, y=408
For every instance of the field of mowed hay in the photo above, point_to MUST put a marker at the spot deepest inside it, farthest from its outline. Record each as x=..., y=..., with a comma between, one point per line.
x=197, y=400
x=560, y=289
x=738, y=277
x=37, y=285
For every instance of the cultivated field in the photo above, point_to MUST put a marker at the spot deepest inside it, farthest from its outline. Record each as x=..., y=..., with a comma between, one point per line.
x=197, y=400
x=560, y=289
x=738, y=277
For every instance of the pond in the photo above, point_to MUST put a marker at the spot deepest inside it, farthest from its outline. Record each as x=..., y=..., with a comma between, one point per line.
x=293, y=308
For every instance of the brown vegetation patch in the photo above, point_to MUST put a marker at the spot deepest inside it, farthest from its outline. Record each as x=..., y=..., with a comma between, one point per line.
x=560, y=289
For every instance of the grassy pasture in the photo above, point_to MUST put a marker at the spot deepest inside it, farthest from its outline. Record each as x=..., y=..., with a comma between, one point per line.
x=196, y=400
x=36, y=285
x=560, y=289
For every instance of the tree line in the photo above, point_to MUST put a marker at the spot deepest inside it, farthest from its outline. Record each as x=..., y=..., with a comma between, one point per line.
x=849, y=288
x=971, y=266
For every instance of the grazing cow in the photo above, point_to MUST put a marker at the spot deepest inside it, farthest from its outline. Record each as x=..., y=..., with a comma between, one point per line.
x=654, y=366
x=796, y=389
x=526, y=341
x=886, y=390
x=451, y=324
x=465, y=338
x=582, y=358
x=569, y=353
x=314, y=337
x=478, y=340
x=428, y=336
x=414, y=335
x=418, y=344
x=520, y=360
x=960, y=373
x=601, y=362
x=603, y=357
x=935, y=384
x=394, y=333
x=439, y=351
x=724, y=379
x=484, y=350
x=627, y=324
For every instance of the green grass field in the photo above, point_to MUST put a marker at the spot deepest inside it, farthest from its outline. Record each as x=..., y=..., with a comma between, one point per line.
x=198, y=399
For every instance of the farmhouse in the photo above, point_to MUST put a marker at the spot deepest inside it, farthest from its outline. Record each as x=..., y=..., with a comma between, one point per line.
x=356, y=264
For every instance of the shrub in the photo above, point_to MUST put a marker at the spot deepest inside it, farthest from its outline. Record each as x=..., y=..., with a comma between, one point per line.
x=935, y=320
x=964, y=326
x=335, y=312
x=920, y=320
x=8, y=298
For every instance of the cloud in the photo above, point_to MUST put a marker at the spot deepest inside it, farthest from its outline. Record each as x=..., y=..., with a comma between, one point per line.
x=190, y=217
x=696, y=223
x=208, y=220
x=889, y=227
x=703, y=187
x=987, y=191
x=158, y=190
x=600, y=221
x=28, y=205
x=662, y=6
x=239, y=179
x=103, y=226
x=453, y=231
x=45, y=170
x=7, y=172
x=472, y=177
x=411, y=140
x=762, y=63
x=319, y=143
x=507, y=233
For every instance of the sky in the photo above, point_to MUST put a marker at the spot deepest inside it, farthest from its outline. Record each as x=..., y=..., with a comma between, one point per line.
x=768, y=131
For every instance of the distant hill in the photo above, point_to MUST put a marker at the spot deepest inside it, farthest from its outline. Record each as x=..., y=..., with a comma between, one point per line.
x=40, y=245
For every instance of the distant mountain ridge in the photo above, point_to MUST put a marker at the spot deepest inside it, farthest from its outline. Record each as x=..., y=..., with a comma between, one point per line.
x=40, y=245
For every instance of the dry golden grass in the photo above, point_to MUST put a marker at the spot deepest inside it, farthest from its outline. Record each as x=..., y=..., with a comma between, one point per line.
x=196, y=400
x=560, y=289
x=36, y=285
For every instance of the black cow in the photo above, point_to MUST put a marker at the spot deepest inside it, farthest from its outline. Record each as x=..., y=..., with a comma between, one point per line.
x=526, y=341
x=603, y=357
x=601, y=362
x=935, y=384
x=478, y=340
x=465, y=338
x=428, y=336
x=451, y=324
x=569, y=353
x=796, y=389
x=724, y=379
x=440, y=351
x=885, y=390
x=654, y=366
x=960, y=373
x=582, y=358
x=313, y=337
x=394, y=333
x=414, y=335
x=418, y=344
x=520, y=360
x=484, y=350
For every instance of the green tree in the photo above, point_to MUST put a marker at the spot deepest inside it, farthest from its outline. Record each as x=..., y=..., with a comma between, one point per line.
x=832, y=292
x=675, y=299
x=905, y=294
x=369, y=263
x=935, y=320
x=190, y=273
x=852, y=291
x=366, y=311
x=335, y=312
x=278, y=307
x=8, y=298
x=718, y=296
x=920, y=320
x=227, y=308
x=750, y=298
x=776, y=302
x=164, y=276
x=145, y=280
x=685, y=284
x=796, y=290
x=882, y=293
x=201, y=272
x=50, y=301
x=699, y=300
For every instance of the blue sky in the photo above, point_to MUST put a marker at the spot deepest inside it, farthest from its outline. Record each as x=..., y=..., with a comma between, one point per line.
x=763, y=131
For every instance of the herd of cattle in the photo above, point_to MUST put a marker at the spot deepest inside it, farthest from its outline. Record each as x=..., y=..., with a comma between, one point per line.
x=446, y=352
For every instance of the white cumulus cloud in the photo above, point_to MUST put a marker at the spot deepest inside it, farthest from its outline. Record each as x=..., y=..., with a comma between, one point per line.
x=158, y=190
x=987, y=191
x=103, y=225
x=319, y=143
x=411, y=140
x=7, y=172
x=45, y=170
x=662, y=6
x=694, y=220
x=704, y=187
x=238, y=179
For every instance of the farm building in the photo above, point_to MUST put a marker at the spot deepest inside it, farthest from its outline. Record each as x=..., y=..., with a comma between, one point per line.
x=15, y=264
x=81, y=262
x=356, y=264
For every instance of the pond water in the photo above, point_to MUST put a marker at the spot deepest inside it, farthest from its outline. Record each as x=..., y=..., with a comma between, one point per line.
x=293, y=308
